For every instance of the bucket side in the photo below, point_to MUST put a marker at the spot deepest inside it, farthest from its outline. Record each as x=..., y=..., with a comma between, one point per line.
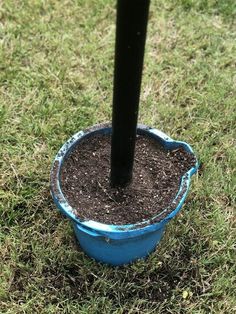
x=117, y=252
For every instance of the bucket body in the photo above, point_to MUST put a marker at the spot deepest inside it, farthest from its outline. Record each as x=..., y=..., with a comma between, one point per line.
x=118, y=244
x=117, y=251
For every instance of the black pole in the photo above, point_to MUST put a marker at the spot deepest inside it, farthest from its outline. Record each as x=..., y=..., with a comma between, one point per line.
x=131, y=27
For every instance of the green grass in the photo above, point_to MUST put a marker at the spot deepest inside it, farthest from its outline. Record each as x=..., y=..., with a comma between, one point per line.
x=56, y=62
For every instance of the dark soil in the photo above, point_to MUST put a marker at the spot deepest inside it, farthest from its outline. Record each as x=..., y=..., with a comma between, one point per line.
x=156, y=179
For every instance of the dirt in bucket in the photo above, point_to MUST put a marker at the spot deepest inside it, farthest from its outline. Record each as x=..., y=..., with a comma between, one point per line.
x=156, y=180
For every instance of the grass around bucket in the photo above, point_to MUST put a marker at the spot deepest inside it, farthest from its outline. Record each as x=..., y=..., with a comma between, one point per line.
x=56, y=79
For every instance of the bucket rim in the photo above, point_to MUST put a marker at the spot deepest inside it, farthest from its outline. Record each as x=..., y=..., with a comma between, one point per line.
x=98, y=228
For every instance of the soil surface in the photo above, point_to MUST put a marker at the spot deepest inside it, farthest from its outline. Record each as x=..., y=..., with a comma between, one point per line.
x=156, y=180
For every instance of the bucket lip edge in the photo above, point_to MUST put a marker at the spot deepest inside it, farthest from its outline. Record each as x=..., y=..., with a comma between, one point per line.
x=102, y=228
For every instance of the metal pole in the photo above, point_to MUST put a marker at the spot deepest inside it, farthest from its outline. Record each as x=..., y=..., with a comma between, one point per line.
x=131, y=27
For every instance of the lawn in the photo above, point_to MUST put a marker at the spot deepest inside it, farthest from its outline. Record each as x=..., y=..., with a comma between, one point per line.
x=56, y=61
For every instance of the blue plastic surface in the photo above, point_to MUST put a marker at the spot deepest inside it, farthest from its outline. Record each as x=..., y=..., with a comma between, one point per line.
x=118, y=244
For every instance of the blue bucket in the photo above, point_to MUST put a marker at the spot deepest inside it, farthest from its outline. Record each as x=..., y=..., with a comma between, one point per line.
x=118, y=244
